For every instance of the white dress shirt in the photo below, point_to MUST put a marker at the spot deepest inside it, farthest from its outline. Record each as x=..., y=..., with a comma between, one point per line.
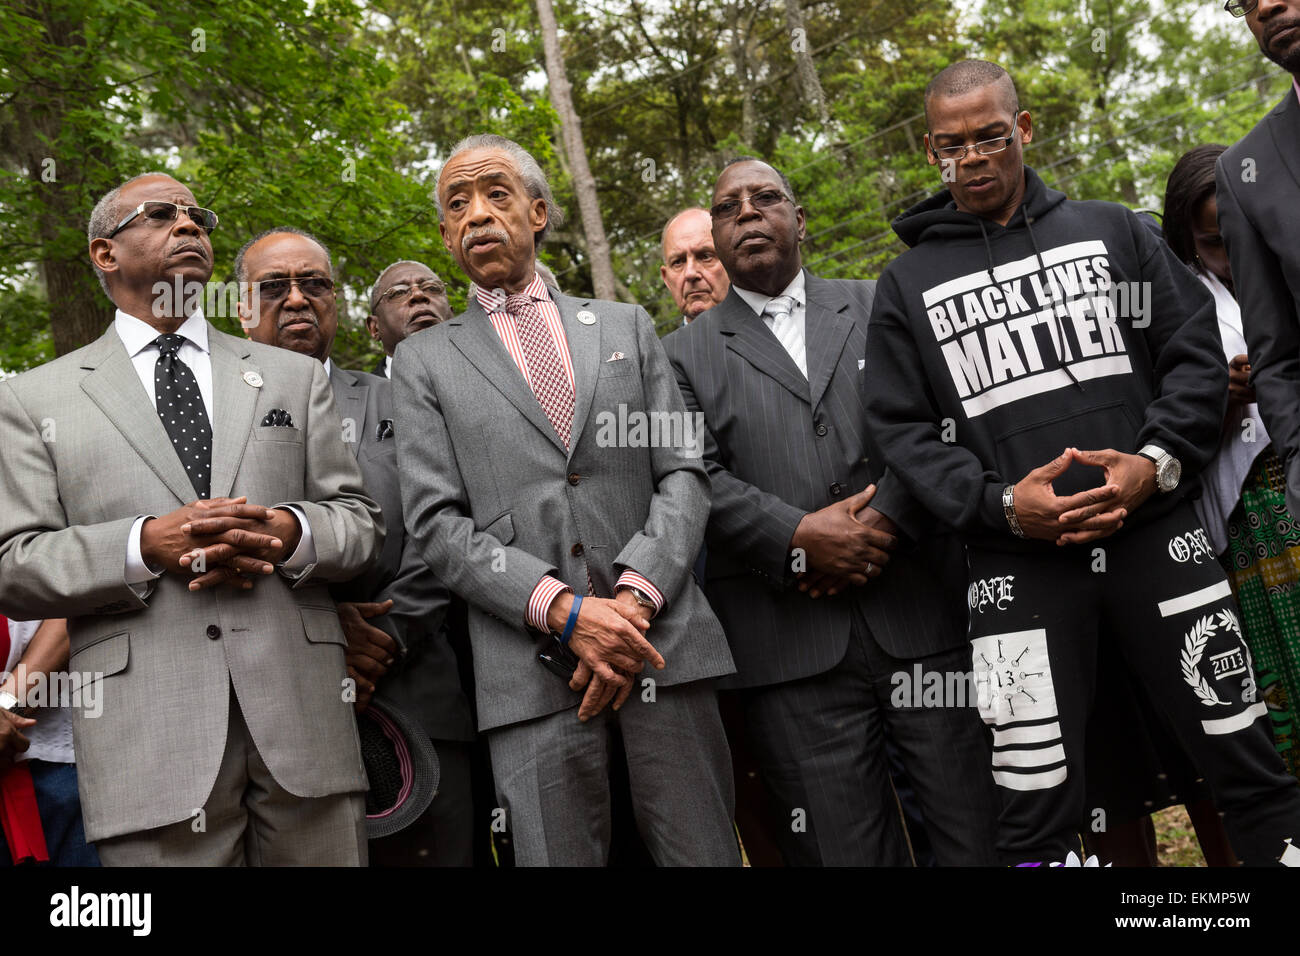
x=139, y=337
x=388, y=366
x=51, y=736
x=794, y=341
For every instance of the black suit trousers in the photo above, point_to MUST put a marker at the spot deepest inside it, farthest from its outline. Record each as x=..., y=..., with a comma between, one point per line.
x=820, y=742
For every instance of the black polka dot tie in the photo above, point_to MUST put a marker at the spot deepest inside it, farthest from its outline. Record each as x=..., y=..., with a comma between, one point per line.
x=180, y=406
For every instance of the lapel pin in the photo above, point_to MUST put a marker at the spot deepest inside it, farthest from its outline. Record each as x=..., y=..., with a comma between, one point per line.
x=253, y=379
x=586, y=318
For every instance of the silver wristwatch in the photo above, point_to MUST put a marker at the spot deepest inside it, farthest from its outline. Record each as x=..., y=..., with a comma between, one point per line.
x=1009, y=510
x=1169, y=470
x=641, y=597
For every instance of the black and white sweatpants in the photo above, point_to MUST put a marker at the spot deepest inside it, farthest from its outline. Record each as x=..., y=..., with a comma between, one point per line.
x=1159, y=594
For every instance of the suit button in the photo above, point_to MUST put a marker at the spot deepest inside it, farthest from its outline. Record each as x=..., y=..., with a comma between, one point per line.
x=576, y=550
x=575, y=478
x=837, y=488
x=214, y=632
x=821, y=429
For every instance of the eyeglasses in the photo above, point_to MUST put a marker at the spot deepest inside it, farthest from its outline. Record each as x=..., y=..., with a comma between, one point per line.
x=985, y=147
x=1239, y=8
x=763, y=199
x=313, y=287
x=156, y=212
x=430, y=287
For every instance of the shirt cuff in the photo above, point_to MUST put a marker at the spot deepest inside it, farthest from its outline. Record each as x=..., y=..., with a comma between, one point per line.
x=548, y=588
x=630, y=579
x=138, y=575
x=304, y=556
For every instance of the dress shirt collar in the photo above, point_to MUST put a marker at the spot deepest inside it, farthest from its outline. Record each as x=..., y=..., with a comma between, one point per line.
x=328, y=367
x=758, y=302
x=494, y=300
x=137, y=334
x=388, y=366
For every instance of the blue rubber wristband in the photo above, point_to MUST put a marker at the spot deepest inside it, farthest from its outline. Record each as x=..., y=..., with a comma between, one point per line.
x=573, y=619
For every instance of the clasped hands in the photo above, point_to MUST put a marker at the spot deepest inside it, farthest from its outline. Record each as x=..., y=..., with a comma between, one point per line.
x=609, y=641
x=227, y=537
x=1089, y=515
x=844, y=544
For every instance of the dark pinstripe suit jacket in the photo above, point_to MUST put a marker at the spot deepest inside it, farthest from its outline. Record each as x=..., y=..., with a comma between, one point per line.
x=778, y=446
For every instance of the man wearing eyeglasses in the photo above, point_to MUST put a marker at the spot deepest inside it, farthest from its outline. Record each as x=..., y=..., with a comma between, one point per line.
x=828, y=577
x=407, y=297
x=1259, y=199
x=1046, y=377
x=394, y=613
x=181, y=495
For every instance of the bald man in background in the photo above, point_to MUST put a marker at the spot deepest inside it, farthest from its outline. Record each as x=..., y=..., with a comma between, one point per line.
x=691, y=270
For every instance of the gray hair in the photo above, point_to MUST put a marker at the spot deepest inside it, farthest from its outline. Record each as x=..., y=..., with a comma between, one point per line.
x=529, y=170
x=241, y=268
x=104, y=218
x=374, y=289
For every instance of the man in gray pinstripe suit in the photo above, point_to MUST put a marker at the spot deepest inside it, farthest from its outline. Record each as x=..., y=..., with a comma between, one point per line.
x=829, y=579
x=546, y=521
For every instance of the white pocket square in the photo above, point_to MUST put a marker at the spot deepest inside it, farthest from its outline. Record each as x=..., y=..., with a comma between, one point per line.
x=616, y=357
x=862, y=363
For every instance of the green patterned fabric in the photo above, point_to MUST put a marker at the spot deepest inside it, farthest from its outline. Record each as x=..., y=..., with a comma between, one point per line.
x=1263, y=564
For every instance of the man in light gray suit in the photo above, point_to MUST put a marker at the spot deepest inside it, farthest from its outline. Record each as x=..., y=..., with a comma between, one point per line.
x=533, y=504
x=831, y=580
x=394, y=613
x=227, y=736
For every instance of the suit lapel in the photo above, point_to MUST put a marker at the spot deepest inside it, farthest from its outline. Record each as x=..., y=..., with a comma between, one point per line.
x=480, y=344
x=350, y=398
x=584, y=353
x=1284, y=124
x=748, y=336
x=115, y=387
x=827, y=325
x=234, y=402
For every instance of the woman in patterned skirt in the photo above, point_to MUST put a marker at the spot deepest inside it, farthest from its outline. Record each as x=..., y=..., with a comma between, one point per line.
x=1243, y=506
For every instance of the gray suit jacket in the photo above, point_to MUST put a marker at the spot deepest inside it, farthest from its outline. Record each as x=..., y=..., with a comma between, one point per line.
x=84, y=455
x=1259, y=202
x=496, y=502
x=779, y=446
x=423, y=682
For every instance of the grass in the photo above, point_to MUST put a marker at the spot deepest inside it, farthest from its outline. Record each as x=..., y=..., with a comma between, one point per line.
x=1176, y=843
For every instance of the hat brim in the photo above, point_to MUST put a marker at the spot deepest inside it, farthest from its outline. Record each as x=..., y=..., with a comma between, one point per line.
x=417, y=761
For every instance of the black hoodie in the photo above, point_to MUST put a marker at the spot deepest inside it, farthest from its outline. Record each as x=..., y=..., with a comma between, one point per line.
x=965, y=385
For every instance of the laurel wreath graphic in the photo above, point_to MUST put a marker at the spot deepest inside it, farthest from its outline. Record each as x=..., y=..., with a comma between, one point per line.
x=1194, y=646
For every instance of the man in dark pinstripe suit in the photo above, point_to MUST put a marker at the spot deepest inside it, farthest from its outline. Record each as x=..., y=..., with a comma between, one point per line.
x=831, y=582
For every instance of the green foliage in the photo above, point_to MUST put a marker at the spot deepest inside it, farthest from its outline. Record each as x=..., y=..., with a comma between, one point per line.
x=333, y=115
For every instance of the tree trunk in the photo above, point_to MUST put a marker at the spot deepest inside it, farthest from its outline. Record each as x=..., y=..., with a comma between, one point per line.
x=584, y=184
x=806, y=70
x=740, y=59
x=79, y=311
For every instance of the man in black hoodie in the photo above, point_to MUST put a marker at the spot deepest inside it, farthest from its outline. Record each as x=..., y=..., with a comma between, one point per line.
x=1020, y=328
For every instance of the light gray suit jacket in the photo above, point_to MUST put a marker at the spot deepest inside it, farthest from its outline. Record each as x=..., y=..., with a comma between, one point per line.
x=496, y=502
x=84, y=455
x=424, y=682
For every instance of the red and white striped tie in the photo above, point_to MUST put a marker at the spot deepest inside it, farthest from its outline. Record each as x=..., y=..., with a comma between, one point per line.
x=545, y=370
